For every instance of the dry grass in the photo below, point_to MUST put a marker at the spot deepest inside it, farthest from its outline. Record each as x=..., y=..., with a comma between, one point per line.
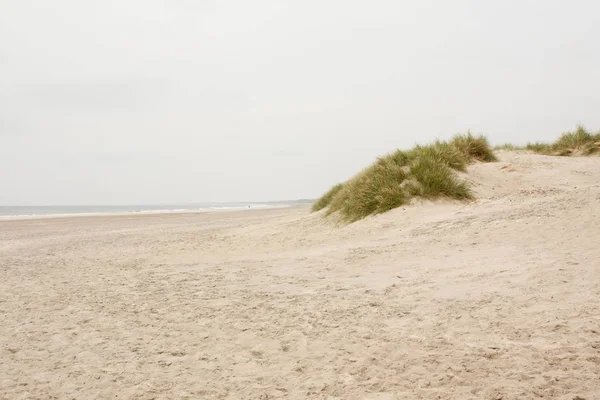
x=443, y=153
x=375, y=190
x=393, y=180
x=576, y=143
x=434, y=179
x=477, y=148
x=327, y=197
x=508, y=147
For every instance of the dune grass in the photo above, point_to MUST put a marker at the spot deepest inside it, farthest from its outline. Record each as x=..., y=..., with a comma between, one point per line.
x=327, y=197
x=476, y=148
x=576, y=143
x=435, y=179
x=508, y=147
x=539, y=147
x=374, y=190
x=442, y=153
x=396, y=178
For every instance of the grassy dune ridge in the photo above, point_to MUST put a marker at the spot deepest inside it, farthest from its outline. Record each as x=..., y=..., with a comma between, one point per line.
x=580, y=142
x=576, y=143
x=394, y=179
x=327, y=197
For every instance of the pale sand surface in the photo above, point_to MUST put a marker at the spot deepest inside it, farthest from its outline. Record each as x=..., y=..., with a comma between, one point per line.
x=498, y=299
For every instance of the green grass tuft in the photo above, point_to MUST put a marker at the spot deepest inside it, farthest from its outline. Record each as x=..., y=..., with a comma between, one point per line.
x=444, y=153
x=400, y=158
x=574, y=140
x=508, y=147
x=538, y=147
x=578, y=142
x=476, y=147
x=435, y=179
x=327, y=197
x=396, y=178
x=375, y=190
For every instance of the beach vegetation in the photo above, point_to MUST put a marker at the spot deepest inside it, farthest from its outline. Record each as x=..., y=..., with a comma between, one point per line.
x=324, y=200
x=426, y=171
x=508, y=147
x=579, y=142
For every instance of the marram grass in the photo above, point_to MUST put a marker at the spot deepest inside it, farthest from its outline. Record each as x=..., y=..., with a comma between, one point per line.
x=578, y=142
x=394, y=179
x=326, y=198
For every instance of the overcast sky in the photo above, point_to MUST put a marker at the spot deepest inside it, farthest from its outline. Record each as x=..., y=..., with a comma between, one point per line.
x=150, y=101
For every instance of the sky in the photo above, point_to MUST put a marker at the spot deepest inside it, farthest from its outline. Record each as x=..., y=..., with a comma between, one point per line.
x=179, y=101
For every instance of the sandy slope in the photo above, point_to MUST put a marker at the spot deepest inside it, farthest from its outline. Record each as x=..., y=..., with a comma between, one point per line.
x=499, y=299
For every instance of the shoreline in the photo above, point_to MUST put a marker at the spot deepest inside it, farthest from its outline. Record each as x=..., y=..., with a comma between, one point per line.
x=29, y=217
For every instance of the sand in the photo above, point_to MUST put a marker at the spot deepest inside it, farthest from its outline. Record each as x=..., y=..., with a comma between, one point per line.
x=496, y=299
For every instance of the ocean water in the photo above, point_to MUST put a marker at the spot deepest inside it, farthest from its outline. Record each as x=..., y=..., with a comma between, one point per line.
x=33, y=211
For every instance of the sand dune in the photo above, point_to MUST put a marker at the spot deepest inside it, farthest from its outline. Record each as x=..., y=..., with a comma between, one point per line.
x=497, y=299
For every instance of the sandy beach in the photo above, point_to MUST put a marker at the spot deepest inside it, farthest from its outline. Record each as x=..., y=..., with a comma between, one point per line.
x=495, y=299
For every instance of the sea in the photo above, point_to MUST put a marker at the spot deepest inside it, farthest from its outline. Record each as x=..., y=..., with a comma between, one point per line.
x=9, y=212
